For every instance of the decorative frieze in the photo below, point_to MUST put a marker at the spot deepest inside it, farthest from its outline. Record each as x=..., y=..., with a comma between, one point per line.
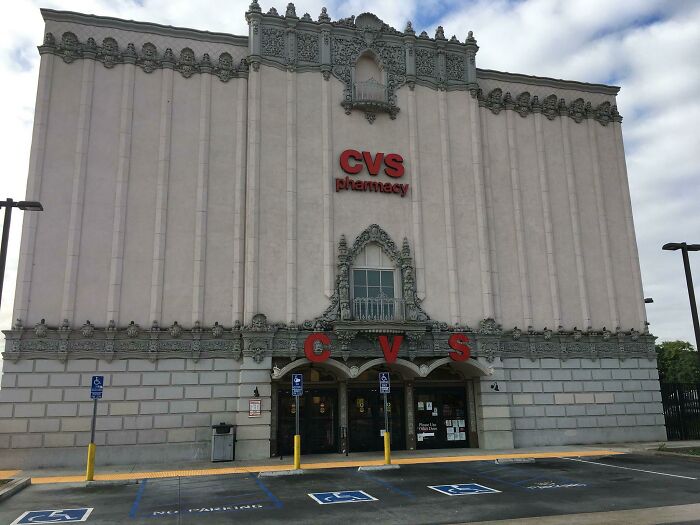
x=148, y=59
x=551, y=107
x=350, y=339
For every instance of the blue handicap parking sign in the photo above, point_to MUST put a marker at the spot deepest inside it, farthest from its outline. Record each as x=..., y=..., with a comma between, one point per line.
x=297, y=384
x=463, y=489
x=33, y=517
x=342, y=496
x=384, y=385
x=96, y=387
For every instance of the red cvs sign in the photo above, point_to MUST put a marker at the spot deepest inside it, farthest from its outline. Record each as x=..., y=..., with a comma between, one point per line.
x=352, y=162
x=390, y=348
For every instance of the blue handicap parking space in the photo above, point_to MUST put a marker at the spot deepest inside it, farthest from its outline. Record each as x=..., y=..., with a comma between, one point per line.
x=342, y=496
x=202, y=496
x=463, y=489
x=34, y=517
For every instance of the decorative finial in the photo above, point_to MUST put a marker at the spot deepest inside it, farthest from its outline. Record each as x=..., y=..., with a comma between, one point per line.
x=440, y=33
x=323, y=17
x=273, y=12
x=254, y=7
x=291, y=11
x=409, y=28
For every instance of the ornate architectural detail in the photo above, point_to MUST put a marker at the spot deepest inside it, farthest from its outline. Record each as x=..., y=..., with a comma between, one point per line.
x=577, y=110
x=132, y=330
x=454, y=63
x=489, y=327
x=87, y=330
x=273, y=41
x=40, y=329
x=148, y=59
x=217, y=330
x=307, y=47
x=425, y=62
x=175, y=330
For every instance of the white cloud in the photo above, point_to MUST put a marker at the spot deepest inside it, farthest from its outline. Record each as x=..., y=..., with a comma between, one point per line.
x=648, y=47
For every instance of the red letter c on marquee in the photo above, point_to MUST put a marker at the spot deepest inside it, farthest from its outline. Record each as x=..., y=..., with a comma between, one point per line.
x=309, y=348
x=345, y=157
x=458, y=343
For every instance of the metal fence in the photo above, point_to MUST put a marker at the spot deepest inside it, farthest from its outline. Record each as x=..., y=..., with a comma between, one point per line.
x=681, y=410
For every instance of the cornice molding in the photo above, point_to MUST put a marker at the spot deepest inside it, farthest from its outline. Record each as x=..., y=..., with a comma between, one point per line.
x=148, y=58
x=551, y=107
x=556, y=83
x=261, y=340
x=142, y=27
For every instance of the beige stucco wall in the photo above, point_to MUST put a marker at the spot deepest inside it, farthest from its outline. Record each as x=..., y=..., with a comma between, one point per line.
x=174, y=156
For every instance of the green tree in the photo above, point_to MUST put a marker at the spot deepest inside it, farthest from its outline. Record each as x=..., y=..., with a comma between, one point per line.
x=677, y=362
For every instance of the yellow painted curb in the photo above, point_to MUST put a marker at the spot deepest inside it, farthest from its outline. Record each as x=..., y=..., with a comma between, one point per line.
x=125, y=476
x=5, y=474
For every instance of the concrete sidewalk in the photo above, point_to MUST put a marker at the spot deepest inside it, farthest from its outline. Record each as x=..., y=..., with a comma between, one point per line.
x=135, y=472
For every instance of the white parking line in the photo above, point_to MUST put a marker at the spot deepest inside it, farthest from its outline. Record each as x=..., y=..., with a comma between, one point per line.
x=629, y=468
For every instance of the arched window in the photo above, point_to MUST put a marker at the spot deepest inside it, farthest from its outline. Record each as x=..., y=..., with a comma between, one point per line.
x=376, y=286
x=369, y=79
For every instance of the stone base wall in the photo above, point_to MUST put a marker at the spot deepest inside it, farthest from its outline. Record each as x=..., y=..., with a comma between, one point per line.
x=579, y=401
x=45, y=410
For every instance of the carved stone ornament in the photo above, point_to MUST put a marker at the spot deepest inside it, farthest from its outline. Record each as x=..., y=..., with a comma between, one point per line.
x=40, y=329
x=217, y=330
x=87, y=330
x=132, y=330
x=175, y=330
x=149, y=60
x=339, y=308
x=489, y=327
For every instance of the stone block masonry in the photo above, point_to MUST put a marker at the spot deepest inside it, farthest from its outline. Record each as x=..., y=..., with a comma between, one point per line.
x=584, y=401
x=160, y=411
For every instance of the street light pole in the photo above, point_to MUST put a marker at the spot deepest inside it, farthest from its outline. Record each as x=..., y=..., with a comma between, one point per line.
x=8, y=204
x=685, y=248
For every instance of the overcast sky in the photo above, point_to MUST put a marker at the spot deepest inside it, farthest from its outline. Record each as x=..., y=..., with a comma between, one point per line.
x=649, y=48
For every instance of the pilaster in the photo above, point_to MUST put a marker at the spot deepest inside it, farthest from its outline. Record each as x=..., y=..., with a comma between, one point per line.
x=75, y=225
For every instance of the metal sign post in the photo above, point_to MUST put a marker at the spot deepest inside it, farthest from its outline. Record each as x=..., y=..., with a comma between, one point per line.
x=297, y=391
x=385, y=388
x=96, y=387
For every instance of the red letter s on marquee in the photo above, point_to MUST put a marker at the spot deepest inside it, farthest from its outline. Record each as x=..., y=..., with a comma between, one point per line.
x=390, y=354
x=345, y=157
x=394, y=165
x=461, y=350
x=309, y=348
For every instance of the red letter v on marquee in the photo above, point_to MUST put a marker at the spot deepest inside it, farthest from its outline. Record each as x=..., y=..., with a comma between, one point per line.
x=390, y=354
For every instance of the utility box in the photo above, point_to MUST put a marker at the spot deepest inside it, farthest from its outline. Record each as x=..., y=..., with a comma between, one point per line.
x=223, y=438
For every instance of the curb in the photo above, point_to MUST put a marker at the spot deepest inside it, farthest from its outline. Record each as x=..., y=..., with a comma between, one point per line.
x=112, y=483
x=378, y=467
x=676, y=454
x=13, y=487
x=278, y=473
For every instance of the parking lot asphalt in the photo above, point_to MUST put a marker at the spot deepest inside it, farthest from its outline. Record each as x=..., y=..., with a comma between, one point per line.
x=424, y=493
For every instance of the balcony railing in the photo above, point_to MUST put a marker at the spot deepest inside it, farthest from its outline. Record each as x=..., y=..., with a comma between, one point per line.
x=380, y=308
x=369, y=90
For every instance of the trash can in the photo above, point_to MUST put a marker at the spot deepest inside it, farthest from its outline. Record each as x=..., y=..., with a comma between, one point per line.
x=223, y=438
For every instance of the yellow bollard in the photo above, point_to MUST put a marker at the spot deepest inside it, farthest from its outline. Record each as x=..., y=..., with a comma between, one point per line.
x=90, y=471
x=297, y=451
x=387, y=449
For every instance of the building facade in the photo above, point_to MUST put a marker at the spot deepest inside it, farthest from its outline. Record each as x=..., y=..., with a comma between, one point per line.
x=331, y=198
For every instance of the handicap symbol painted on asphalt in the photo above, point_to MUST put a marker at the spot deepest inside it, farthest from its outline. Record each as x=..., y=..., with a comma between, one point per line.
x=342, y=496
x=33, y=517
x=463, y=489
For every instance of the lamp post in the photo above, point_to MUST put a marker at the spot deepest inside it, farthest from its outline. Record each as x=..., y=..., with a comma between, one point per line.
x=685, y=248
x=8, y=204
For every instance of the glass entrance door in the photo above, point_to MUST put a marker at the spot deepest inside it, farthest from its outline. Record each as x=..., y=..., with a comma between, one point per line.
x=366, y=419
x=318, y=421
x=441, y=420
